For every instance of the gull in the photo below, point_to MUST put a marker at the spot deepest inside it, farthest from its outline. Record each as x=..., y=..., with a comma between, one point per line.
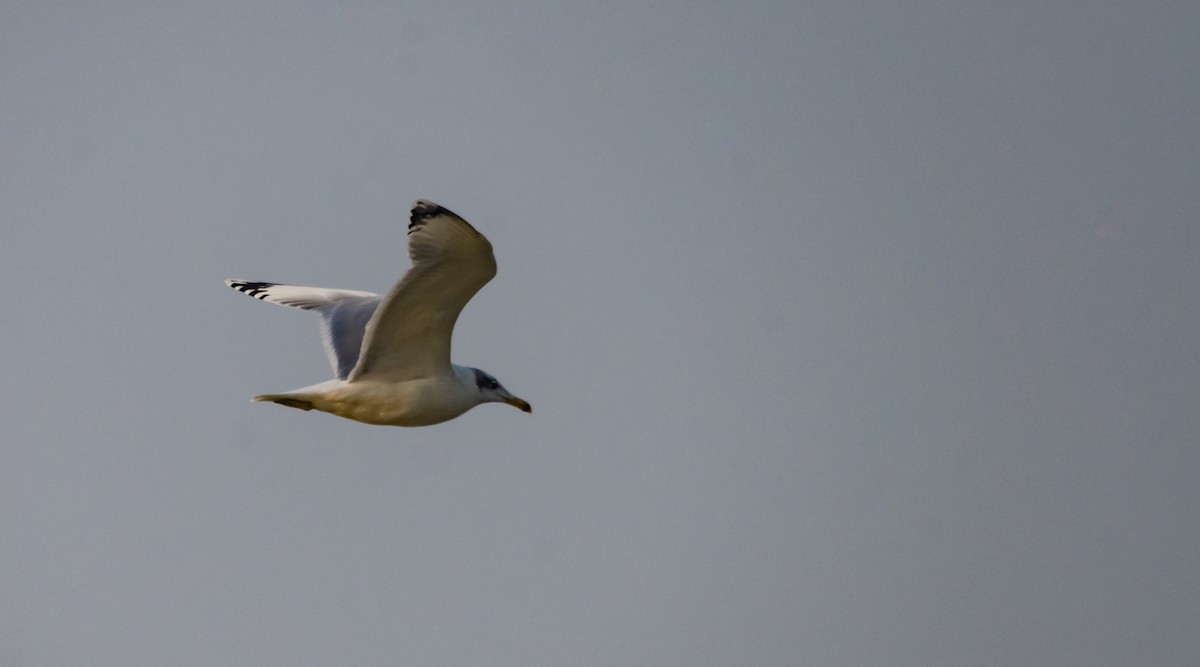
x=391, y=354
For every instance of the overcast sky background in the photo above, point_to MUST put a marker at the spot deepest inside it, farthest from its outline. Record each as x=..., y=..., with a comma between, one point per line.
x=856, y=333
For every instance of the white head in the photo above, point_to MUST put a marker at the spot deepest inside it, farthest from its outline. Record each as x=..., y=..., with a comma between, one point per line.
x=491, y=391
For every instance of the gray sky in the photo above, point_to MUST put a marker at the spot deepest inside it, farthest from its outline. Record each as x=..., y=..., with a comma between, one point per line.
x=859, y=334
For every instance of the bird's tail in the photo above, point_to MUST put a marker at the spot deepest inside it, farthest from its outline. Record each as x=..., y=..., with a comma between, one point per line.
x=290, y=401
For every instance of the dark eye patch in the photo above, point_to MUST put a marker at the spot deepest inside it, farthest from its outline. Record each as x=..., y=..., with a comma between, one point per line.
x=485, y=381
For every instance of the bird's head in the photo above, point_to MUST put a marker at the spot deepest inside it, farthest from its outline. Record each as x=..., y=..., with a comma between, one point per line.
x=493, y=392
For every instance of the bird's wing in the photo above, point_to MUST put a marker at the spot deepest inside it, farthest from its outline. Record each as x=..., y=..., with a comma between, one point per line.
x=408, y=336
x=344, y=315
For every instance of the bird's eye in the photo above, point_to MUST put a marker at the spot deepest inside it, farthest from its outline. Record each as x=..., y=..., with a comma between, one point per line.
x=493, y=385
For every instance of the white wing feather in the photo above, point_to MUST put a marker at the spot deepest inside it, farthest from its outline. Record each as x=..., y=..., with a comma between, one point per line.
x=408, y=336
x=344, y=315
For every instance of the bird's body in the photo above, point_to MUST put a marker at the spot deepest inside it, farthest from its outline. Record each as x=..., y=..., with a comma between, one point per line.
x=391, y=354
x=418, y=402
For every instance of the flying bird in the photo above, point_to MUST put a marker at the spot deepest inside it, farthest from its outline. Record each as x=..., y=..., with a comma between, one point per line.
x=391, y=354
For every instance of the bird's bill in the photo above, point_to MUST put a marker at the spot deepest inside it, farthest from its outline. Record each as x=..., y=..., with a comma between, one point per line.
x=517, y=403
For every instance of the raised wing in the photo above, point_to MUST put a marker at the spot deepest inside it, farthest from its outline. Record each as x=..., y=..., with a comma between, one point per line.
x=344, y=315
x=408, y=336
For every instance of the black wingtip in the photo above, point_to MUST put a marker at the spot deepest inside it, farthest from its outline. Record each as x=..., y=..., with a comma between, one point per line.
x=252, y=288
x=423, y=210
